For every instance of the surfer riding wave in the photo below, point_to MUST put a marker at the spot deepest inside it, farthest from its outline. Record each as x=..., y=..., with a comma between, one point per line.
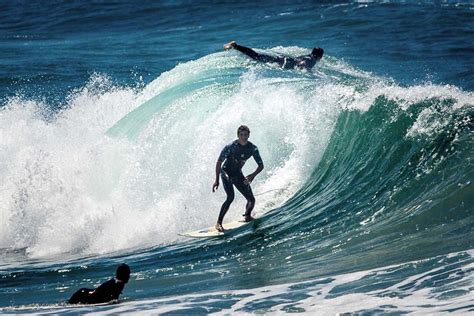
x=234, y=156
x=300, y=62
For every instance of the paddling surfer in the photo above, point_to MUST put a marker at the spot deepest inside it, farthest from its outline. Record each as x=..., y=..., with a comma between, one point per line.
x=107, y=292
x=300, y=62
x=229, y=167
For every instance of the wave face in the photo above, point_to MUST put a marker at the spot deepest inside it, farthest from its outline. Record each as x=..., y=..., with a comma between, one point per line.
x=394, y=179
x=75, y=177
x=360, y=174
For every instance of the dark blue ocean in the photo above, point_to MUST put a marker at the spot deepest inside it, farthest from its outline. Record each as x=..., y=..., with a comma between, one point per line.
x=113, y=114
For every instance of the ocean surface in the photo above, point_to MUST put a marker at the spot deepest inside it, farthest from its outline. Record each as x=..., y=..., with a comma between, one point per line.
x=112, y=115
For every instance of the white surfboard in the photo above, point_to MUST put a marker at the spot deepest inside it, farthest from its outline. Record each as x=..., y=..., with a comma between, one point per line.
x=213, y=232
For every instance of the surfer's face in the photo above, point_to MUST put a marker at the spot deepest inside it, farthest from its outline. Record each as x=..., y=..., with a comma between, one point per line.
x=243, y=137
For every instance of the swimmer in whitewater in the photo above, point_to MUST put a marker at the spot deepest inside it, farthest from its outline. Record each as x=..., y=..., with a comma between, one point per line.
x=234, y=156
x=107, y=292
x=300, y=62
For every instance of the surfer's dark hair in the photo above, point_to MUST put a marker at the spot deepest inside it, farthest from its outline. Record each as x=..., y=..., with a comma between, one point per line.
x=243, y=128
x=123, y=273
x=317, y=52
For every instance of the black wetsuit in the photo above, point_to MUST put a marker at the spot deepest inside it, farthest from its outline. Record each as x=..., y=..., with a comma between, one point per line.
x=303, y=62
x=234, y=156
x=107, y=292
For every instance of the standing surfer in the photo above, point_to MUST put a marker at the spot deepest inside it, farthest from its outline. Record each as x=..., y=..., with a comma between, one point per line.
x=234, y=156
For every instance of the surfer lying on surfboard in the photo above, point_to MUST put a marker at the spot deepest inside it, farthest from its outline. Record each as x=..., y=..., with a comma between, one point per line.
x=234, y=156
x=107, y=292
x=300, y=62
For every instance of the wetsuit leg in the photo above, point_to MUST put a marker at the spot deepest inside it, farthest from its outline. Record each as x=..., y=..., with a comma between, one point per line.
x=81, y=297
x=229, y=190
x=246, y=191
x=259, y=57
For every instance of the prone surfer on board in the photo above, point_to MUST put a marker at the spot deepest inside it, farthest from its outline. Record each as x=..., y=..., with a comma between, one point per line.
x=300, y=62
x=234, y=156
x=107, y=292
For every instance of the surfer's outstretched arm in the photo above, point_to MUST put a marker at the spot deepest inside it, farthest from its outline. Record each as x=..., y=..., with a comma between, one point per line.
x=247, y=51
x=253, y=54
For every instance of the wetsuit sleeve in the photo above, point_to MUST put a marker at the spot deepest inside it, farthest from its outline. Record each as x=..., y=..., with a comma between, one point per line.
x=247, y=51
x=256, y=156
x=224, y=153
x=259, y=57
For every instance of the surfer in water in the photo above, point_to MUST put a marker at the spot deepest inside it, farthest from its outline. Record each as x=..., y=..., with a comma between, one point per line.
x=300, y=62
x=107, y=292
x=234, y=156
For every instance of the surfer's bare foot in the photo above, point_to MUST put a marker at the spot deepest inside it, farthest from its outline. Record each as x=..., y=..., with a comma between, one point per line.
x=229, y=45
x=248, y=218
x=219, y=227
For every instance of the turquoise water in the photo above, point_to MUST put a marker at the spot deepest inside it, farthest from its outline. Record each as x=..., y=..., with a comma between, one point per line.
x=113, y=116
